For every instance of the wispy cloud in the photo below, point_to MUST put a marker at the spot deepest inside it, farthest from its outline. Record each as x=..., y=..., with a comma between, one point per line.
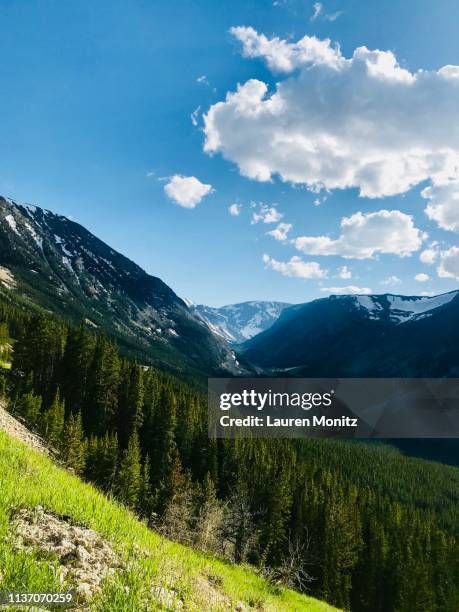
x=296, y=267
x=344, y=273
x=235, y=209
x=349, y=289
x=391, y=281
x=194, y=116
x=317, y=10
x=281, y=231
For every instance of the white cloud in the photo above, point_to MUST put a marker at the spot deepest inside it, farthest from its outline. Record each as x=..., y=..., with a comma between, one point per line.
x=428, y=293
x=282, y=56
x=364, y=235
x=346, y=290
x=333, y=16
x=391, y=280
x=187, y=191
x=203, y=79
x=430, y=255
x=194, y=116
x=296, y=267
x=281, y=231
x=235, y=209
x=317, y=11
x=362, y=122
x=449, y=264
x=266, y=214
x=344, y=273
x=422, y=277
x=444, y=203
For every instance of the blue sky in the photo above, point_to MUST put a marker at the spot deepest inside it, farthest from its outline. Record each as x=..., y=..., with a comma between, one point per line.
x=95, y=119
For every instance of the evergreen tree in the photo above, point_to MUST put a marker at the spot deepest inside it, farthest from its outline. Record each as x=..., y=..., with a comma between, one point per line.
x=129, y=474
x=146, y=499
x=74, y=447
x=54, y=421
x=101, y=402
x=29, y=406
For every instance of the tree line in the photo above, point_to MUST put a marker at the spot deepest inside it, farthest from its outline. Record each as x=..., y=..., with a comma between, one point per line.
x=141, y=436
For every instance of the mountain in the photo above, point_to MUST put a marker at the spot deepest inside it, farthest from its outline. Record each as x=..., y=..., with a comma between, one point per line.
x=240, y=322
x=363, y=335
x=58, y=264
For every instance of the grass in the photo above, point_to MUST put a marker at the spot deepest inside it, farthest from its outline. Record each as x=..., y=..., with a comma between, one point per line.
x=28, y=478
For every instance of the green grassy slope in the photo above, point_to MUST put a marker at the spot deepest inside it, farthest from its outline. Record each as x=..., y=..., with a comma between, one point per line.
x=28, y=478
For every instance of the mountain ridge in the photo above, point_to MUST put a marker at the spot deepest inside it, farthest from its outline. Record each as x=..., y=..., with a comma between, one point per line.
x=367, y=335
x=60, y=265
x=240, y=321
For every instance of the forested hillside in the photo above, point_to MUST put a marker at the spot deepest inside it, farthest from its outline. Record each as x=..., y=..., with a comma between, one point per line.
x=51, y=261
x=361, y=527
x=143, y=571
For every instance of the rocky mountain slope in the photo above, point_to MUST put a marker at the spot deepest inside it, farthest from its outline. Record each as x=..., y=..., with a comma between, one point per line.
x=364, y=335
x=58, y=264
x=240, y=322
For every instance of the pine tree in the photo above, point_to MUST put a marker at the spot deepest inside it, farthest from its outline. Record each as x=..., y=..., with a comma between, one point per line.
x=74, y=448
x=101, y=403
x=54, y=421
x=129, y=474
x=130, y=407
x=146, y=500
x=29, y=406
x=209, y=519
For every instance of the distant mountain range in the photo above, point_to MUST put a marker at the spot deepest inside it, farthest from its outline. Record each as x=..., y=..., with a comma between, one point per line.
x=365, y=335
x=55, y=263
x=240, y=322
x=59, y=265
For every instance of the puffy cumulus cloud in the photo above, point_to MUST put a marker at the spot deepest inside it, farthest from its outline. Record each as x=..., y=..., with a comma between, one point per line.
x=429, y=256
x=422, y=277
x=443, y=204
x=391, y=280
x=296, y=267
x=186, y=191
x=364, y=235
x=449, y=264
x=281, y=231
x=282, y=56
x=335, y=122
x=349, y=289
x=344, y=273
x=234, y=209
x=266, y=214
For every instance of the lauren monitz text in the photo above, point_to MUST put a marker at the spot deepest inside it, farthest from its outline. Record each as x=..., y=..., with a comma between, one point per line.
x=269, y=421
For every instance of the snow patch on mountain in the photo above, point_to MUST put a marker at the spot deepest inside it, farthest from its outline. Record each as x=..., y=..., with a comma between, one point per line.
x=12, y=223
x=401, y=309
x=239, y=322
x=35, y=236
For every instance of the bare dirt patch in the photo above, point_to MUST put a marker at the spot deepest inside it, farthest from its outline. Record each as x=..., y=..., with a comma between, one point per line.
x=85, y=559
x=17, y=430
